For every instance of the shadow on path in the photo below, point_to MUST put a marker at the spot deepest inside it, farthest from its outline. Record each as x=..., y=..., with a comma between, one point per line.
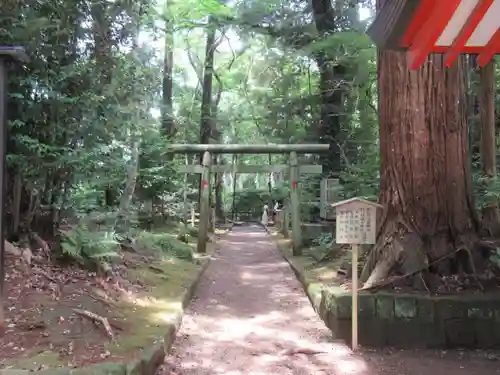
x=251, y=316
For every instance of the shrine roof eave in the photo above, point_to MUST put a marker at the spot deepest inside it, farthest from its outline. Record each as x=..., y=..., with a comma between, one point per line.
x=451, y=27
x=391, y=23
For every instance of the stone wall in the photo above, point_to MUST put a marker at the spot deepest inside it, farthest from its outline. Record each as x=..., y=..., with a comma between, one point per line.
x=409, y=320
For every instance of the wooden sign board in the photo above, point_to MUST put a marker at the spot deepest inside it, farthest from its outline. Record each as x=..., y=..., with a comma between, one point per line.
x=355, y=226
x=355, y=221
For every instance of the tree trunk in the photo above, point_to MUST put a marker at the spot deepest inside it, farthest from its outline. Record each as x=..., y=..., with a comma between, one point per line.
x=123, y=216
x=101, y=32
x=491, y=218
x=167, y=119
x=426, y=178
x=206, y=100
x=17, y=192
x=331, y=74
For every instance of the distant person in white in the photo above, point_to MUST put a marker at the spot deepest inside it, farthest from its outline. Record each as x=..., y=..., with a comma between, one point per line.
x=265, y=216
x=276, y=210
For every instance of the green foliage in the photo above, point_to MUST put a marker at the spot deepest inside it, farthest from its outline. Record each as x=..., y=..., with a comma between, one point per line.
x=253, y=200
x=325, y=240
x=191, y=231
x=486, y=189
x=85, y=245
x=495, y=258
x=361, y=180
x=91, y=94
x=165, y=243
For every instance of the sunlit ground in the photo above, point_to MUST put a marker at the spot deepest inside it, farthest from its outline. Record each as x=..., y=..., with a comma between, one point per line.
x=252, y=317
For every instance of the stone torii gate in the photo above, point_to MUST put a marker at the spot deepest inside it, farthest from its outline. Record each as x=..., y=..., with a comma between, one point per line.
x=206, y=168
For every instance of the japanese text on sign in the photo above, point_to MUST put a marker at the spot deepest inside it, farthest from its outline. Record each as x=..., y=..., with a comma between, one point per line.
x=355, y=224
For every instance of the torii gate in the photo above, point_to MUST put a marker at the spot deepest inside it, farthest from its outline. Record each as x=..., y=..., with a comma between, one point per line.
x=206, y=168
x=452, y=27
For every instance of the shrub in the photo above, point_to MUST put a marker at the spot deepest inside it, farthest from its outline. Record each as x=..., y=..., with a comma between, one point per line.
x=165, y=243
x=84, y=245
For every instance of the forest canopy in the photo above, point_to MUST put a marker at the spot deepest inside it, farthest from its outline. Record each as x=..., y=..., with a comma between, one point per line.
x=110, y=84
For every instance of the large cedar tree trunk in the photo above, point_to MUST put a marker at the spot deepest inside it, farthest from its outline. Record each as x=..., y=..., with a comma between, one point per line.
x=426, y=181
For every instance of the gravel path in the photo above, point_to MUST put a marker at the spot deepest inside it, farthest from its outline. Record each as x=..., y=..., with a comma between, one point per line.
x=251, y=316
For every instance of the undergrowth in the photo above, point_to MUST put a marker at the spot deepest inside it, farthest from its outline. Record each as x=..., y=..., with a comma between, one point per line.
x=84, y=245
x=165, y=243
x=90, y=246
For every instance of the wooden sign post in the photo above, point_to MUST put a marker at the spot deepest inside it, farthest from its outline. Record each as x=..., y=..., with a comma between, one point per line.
x=355, y=225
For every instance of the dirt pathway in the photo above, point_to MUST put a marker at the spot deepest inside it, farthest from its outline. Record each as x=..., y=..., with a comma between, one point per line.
x=251, y=316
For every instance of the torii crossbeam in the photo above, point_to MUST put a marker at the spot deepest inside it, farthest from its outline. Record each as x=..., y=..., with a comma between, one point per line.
x=452, y=27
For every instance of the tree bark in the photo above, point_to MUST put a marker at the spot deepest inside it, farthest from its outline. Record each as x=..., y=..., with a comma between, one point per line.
x=17, y=192
x=123, y=216
x=426, y=183
x=167, y=119
x=491, y=217
x=206, y=100
x=101, y=32
x=331, y=74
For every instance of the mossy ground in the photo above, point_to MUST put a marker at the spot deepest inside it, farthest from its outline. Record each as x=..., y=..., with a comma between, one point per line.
x=315, y=272
x=44, y=332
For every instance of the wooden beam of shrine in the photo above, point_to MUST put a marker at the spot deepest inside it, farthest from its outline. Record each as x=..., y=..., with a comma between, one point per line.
x=247, y=149
x=427, y=36
x=464, y=35
x=489, y=50
x=247, y=168
x=14, y=52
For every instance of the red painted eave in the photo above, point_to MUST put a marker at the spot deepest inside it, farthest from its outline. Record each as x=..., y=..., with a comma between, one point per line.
x=429, y=32
x=424, y=28
x=463, y=35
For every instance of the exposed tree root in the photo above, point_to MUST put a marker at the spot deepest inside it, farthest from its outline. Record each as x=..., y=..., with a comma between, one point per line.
x=105, y=300
x=42, y=245
x=24, y=253
x=402, y=250
x=97, y=318
x=306, y=351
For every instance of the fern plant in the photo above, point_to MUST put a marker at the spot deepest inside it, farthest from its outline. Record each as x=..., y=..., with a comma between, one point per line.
x=165, y=243
x=84, y=245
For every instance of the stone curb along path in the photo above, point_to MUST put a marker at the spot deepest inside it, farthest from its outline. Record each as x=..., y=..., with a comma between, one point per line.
x=313, y=291
x=150, y=359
